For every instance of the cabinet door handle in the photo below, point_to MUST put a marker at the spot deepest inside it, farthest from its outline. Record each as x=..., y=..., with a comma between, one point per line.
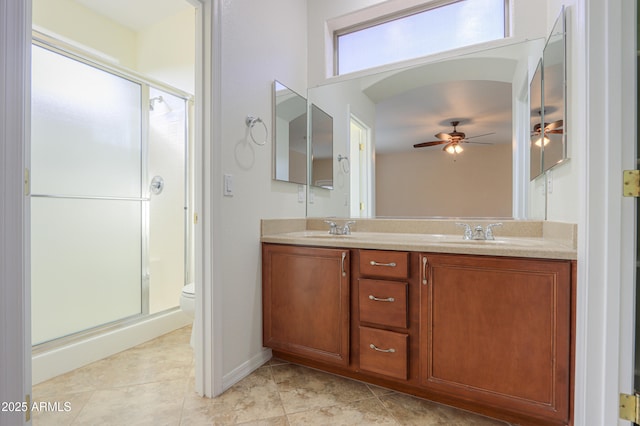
x=425, y=264
x=344, y=256
x=388, y=299
x=375, y=348
x=374, y=263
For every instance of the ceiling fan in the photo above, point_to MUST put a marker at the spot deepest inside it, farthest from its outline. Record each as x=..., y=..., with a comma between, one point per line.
x=555, y=127
x=452, y=140
x=549, y=128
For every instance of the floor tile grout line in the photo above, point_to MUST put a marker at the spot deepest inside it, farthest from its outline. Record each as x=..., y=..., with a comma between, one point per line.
x=84, y=406
x=387, y=409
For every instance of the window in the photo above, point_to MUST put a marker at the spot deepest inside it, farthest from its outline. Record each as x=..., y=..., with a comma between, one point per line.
x=419, y=32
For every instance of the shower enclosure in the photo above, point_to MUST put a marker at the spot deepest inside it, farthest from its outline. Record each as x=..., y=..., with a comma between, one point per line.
x=109, y=195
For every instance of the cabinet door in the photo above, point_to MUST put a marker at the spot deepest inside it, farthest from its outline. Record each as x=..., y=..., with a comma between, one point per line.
x=306, y=301
x=497, y=331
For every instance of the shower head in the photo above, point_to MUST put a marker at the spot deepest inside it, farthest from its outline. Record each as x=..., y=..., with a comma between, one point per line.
x=159, y=105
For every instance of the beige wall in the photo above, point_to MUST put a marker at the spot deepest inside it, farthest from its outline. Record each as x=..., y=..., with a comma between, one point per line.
x=71, y=21
x=475, y=183
x=297, y=166
x=166, y=50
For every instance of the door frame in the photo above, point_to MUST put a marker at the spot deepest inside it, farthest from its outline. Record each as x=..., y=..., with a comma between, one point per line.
x=208, y=193
x=606, y=247
x=15, y=298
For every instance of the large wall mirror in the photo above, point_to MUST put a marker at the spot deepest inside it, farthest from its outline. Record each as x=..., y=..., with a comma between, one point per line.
x=475, y=97
x=290, y=135
x=548, y=119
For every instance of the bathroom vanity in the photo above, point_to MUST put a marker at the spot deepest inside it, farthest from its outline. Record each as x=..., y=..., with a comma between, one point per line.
x=486, y=326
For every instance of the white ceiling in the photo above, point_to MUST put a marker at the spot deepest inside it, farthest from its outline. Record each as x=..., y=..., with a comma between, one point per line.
x=136, y=14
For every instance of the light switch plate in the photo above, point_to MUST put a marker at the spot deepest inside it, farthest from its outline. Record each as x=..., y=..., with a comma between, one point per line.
x=228, y=185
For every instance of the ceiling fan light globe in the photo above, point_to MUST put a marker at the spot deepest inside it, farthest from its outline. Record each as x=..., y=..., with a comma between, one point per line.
x=453, y=148
x=540, y=141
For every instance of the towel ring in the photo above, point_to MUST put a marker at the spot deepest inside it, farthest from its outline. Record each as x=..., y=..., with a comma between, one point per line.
x=346, y=166
x=251, y=122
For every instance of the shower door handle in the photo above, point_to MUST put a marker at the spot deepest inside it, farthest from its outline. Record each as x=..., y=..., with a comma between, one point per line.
x=157, y=185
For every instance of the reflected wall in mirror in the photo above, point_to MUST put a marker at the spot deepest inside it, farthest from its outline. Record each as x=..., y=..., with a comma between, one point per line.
x=554, y=89
x=290, y=135
x=417, y=104
x=321, y=148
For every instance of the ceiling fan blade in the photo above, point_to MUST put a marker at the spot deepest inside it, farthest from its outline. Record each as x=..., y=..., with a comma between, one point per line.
x=433, y=143
x=443, y=136
x=477, y=136
x=554, y=125
x=479, y=143
x=556, y=132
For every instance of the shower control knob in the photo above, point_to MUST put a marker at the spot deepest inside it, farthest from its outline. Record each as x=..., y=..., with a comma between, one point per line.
x=157, y=185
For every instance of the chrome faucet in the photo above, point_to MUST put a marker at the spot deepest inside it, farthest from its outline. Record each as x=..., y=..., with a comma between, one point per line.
x=345, y=229
x=478, y=233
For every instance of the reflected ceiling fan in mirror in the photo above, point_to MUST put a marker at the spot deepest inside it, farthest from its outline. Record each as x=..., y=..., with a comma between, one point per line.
x=549, y=128
x=452, y=141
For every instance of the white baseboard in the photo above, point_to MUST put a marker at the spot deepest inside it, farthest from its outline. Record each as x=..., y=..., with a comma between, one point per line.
x=60, y=360
x=245, y=369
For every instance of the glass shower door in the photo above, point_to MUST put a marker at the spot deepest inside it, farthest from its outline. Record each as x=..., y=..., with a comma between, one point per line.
x=87, y=205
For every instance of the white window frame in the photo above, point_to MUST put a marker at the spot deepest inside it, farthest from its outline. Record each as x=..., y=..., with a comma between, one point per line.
x=387, y=12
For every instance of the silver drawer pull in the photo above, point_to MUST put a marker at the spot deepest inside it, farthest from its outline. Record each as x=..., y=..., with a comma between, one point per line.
x=374, y=263
x=375, y=348
x=344, y=256
x=388, y=299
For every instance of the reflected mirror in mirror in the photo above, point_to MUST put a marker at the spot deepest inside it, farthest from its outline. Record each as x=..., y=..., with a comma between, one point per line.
x=537, y=137
x=321, y=148
x=553, y=83
x=414, y=105
x=290, y=134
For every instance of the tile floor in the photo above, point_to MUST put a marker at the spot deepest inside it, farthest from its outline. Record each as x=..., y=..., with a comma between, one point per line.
x=152, y=384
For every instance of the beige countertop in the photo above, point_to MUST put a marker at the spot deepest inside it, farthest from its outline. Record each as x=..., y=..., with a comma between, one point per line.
x=534, y=239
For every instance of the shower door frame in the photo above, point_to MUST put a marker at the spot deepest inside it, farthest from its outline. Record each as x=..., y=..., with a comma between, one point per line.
x=73, y=53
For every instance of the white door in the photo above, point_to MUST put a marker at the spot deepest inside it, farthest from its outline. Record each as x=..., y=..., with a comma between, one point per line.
x=360, y=163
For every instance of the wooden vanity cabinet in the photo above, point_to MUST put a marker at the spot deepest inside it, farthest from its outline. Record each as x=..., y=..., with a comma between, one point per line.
x=305, y=296
x=488, y=334
x=497, y=331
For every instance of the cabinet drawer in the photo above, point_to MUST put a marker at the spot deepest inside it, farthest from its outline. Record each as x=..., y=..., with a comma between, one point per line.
x=383, y=352
x=384, y=264
x=383, y=302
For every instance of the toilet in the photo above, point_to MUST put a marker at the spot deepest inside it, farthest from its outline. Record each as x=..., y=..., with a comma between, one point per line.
x=188, y=303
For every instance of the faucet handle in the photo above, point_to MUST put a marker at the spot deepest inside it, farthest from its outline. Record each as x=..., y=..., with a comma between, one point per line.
x=468, y=234
x=488, y=234
x=333, y=227
x=346, y=229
